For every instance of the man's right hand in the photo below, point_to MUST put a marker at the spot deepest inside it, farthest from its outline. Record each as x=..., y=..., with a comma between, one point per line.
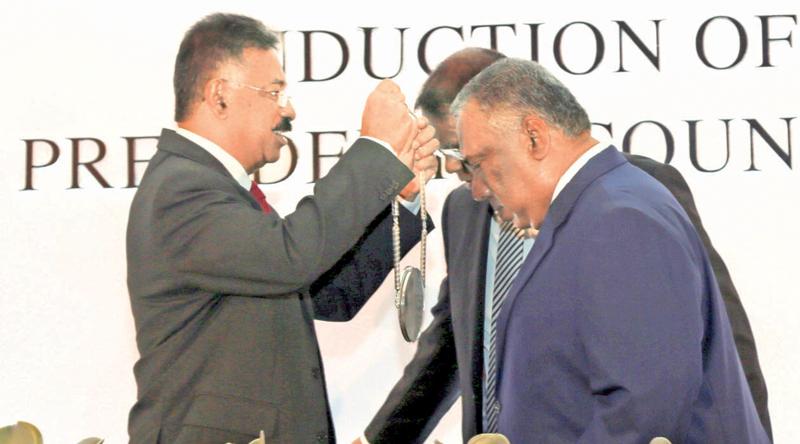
x=424, y=160
x=386, y=117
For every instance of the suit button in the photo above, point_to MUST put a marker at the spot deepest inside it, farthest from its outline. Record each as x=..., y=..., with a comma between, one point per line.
x=322, y=437
x=316, y=373
x=496, y=406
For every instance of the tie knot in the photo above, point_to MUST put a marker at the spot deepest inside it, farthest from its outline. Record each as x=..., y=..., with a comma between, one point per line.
x=508, y=226
x=507, y=229
x=508, y=232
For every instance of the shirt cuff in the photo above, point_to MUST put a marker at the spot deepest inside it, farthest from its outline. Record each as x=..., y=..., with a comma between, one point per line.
x=413, y=206
x=364, y=439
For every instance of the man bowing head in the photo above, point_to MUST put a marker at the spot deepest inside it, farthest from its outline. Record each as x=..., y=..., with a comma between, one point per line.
x=613, y=330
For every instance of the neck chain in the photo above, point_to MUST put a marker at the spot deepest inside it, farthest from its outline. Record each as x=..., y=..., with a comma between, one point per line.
x=399, y=301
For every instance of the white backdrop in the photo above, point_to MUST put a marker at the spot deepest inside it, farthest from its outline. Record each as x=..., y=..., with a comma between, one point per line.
x=75, y=71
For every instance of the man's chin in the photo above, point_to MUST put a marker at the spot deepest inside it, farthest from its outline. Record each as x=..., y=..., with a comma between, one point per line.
x=272, y=153
x=501, y=212
x=272, y=158
x=517, y=223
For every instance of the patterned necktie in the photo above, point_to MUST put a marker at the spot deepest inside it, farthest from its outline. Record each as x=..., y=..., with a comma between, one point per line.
x=255, y=191
x=507, y=264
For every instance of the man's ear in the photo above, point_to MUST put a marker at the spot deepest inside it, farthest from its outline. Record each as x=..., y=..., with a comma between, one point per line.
x=214, y=96
x=538, y=133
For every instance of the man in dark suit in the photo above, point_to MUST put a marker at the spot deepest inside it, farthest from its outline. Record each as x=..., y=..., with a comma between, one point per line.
x=449, y=359
x=224, y=291
x=614, y=330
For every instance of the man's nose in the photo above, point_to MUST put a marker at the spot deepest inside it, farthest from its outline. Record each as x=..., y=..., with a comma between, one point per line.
x=452, y=165
x=455, y=166
x=479, y=190
x=288, y=111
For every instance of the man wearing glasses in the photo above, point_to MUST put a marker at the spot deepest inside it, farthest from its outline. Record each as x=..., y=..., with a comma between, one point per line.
x=224, y=291
x=455, y=352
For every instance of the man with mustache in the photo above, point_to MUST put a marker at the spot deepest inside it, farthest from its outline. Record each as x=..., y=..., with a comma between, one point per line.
x=224, y=291
x=450, y=360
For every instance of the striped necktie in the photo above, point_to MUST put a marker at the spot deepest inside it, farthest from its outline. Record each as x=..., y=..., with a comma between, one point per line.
x=507, y=264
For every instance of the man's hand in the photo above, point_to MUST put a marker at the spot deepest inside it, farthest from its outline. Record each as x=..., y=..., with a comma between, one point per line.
x=424, y=146
x=386, y=117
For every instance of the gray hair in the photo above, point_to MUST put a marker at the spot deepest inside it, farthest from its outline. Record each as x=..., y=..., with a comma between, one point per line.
x=521, y=87
x=209, y=43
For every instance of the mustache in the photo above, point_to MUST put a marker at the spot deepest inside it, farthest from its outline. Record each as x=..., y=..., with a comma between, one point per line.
x=284, y=126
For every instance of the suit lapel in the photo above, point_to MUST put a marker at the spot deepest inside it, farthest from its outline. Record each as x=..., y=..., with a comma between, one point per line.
x=476, y=291
x=468, y=228
x=557, y=215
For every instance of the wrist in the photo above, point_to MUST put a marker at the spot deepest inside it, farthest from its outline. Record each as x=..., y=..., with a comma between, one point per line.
x=410, y=191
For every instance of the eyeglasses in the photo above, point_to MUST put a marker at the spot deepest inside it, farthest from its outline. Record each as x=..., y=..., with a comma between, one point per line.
x=454, y=152
x=277, y=95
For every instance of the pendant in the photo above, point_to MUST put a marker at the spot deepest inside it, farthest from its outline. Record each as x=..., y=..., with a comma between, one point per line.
x=412, y=298
x=409, y=287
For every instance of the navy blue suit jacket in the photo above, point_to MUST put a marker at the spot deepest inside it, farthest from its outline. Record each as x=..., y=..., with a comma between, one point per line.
x=614, y=330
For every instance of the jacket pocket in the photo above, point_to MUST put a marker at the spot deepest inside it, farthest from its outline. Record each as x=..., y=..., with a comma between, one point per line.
x=229, y=413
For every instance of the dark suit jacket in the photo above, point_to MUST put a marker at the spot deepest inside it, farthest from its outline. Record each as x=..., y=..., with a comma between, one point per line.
x=224, y=297
x=614, y=330
x=449, y=362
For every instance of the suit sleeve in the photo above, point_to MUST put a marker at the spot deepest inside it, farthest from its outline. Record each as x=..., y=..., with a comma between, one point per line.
x=343, y=290
x=216, y=241
x=429, y=385
x=642, y=325
x=672, y=179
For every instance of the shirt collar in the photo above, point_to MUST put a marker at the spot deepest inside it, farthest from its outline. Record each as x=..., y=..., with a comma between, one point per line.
x=576, y=166
x=234, y=168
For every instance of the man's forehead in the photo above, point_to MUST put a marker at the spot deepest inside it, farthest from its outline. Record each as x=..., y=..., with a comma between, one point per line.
x=476, y=135
x=470, y=117
x=263, y=65
x=445, y=126
x=264, y=55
